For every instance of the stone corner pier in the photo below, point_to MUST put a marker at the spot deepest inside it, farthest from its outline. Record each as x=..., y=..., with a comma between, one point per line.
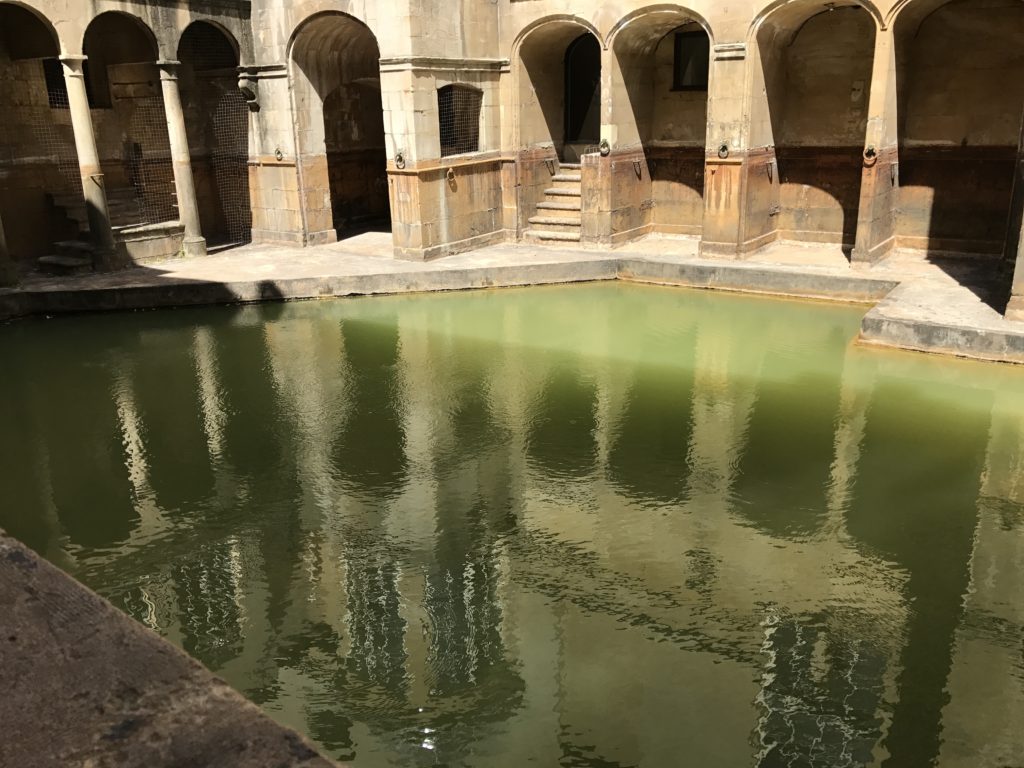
x=84, y=685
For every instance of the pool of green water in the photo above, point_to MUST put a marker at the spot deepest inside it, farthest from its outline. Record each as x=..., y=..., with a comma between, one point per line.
x=592, y=525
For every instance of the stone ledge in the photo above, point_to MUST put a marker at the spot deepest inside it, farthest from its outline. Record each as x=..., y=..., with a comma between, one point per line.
x=84, y=685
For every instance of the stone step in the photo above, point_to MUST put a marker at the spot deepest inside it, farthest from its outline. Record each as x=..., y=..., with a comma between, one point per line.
x=563, y=192
x=570, y=166
x=561, y=237
x=64, y=265
x=560, y=206
x=576, y=178
x=75, y=248
x=556, y=223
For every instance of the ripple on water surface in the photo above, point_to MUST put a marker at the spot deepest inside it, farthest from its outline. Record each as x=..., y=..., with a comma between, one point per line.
x=594, y=525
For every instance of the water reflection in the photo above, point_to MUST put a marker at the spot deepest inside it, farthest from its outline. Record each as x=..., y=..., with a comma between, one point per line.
x=586, y=526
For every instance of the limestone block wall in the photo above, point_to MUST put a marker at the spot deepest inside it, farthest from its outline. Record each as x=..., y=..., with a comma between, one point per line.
x=866, y=125
x=960, y=98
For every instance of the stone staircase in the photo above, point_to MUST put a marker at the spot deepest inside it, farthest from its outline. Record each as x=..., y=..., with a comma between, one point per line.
x=77, y=256
x=122, y=202
x=559, y=216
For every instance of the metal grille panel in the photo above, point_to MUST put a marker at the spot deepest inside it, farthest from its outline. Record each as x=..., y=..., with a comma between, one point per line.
x=458, y=109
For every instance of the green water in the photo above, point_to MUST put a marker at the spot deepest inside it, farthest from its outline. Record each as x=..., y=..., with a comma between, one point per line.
x=595, y=525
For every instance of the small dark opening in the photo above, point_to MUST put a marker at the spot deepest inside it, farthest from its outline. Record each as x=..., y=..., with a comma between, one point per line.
x=583, y=90
x=692, y=61
x=56, y=86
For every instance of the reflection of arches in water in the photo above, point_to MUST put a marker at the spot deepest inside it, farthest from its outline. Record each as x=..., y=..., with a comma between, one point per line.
x=370, y=453
x=821, y=697
x=648, y=455
x=783, y=485
x=206, y=589
x=563, y=428
x=931, y=469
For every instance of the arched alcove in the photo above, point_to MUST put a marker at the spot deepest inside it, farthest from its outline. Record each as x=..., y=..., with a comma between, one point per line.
x=125, y=94
x=809, y=109
x=38, y=161
x=340, y=127
x=659, y=104
x=960, y=68
x=217, y=123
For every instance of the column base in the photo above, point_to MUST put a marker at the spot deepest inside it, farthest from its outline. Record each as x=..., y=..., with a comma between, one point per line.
x=1015, y=309
x=194, y=246
x=8, y=274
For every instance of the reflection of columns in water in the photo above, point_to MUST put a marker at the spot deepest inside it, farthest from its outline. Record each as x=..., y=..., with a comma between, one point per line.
x=151, y=517
x=722, y=404
x=211, y=401
x=307, y=363
x=821, y=694
x=855, y=392
x=981, y=721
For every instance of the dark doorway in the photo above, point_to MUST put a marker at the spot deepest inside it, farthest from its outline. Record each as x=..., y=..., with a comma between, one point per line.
x=583, y=91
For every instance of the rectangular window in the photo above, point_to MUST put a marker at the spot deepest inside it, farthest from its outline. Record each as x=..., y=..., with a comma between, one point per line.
x=458, y=108
x=691, y=62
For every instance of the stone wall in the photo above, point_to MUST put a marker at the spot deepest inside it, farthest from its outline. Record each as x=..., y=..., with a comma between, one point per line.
x=859, y=125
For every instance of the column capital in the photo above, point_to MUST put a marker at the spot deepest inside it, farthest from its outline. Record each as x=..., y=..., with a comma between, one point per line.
x=168, y=69
x=74, y=64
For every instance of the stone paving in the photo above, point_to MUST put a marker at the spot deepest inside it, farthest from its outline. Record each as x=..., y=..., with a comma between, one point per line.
x=948, y=306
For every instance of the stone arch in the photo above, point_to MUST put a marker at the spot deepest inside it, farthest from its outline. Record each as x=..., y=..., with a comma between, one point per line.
x=217, y=125
x=124, y=89
x=43, y=40
x=539, y=55
x=333, y=60
x=661, y=123
x=38, y=159
x=809, y=82
x=958, y=127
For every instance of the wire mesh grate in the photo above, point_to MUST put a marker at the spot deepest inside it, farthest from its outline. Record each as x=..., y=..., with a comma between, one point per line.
x=218, y=134
x=458, y=109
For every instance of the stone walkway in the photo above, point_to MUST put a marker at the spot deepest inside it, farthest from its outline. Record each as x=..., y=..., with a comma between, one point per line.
x=947, y=306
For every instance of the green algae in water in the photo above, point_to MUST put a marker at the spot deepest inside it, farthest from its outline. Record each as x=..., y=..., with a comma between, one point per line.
x=597, y=525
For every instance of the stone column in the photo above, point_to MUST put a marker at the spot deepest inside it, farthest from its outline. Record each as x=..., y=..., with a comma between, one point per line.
x=876, y=217
x=188, y=209
x=1015, y=309
x=93, y=188
x=1013, y=252
x=726, y=157
x=8, y=272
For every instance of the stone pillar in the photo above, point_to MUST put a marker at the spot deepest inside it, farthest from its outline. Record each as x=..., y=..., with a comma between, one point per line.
x=727, y=157
x=1015, y=309
x=8, y=272
x=93, y=187
x=876, y=217
x=188, y=208
x=1013, y=253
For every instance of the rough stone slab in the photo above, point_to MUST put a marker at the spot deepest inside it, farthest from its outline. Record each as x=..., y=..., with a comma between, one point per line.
x=933, y=318
x=752, y=278
x=927, y=304
x=84, y=685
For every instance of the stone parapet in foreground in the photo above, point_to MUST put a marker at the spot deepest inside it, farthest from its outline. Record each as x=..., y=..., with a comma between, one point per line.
x=84, y=685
